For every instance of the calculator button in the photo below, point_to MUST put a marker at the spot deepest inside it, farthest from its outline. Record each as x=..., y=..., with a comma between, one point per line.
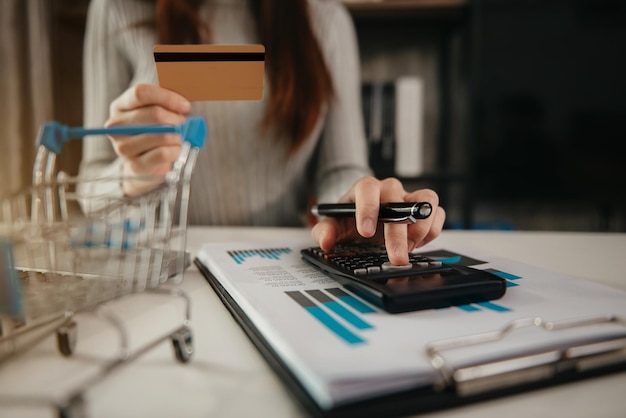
x=360, y=271
x=435, y=263
x=421, y=264
x=373, y=269
x=387, y=266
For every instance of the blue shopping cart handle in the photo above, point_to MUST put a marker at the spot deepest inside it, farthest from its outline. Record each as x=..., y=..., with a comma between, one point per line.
x=54, y=135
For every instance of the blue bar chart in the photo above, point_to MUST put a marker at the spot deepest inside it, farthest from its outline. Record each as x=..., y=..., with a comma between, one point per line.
x=240, y=256
x=345, y=323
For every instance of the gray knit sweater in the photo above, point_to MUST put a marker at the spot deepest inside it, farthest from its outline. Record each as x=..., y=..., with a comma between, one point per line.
x=241, y=177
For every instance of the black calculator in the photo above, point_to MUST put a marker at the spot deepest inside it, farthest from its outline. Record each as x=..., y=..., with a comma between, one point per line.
x=424, y=283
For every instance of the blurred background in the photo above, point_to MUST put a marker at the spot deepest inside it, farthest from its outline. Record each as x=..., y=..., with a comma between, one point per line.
x=521, y=102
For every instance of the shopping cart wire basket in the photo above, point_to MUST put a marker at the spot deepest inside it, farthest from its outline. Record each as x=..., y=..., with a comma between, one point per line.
x=70, y=244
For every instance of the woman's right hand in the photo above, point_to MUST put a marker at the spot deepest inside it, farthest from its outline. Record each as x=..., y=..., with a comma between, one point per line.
x=149, y=154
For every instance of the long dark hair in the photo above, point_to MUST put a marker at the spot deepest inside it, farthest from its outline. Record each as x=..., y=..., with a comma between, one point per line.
x=300, y=83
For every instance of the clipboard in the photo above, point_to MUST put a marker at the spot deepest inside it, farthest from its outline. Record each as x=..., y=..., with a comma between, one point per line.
x=456, y=385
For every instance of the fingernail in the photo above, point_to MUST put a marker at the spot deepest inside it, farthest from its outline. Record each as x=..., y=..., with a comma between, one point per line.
x=369, y=227
x=400, y=254
x=185, y=106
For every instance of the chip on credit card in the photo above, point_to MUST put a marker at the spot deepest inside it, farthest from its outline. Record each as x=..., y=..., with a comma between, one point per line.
x=212, y=72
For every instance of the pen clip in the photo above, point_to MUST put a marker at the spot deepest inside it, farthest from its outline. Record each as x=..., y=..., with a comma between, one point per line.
x=400, y=213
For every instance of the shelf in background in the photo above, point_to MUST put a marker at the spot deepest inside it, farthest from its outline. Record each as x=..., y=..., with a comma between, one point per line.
x=405, y=8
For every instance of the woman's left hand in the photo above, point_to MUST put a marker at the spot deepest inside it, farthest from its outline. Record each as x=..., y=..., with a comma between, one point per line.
x=399, y=239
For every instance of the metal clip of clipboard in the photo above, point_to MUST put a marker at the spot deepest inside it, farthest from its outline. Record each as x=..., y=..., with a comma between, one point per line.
x=506, y=372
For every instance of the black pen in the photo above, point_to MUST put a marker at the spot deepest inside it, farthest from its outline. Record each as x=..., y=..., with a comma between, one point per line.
x=389, y=212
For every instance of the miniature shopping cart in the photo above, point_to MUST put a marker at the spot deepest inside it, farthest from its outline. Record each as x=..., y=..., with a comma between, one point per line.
x=70, y=245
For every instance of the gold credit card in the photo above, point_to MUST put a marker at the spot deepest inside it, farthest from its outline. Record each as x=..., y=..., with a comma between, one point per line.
x=212, y=72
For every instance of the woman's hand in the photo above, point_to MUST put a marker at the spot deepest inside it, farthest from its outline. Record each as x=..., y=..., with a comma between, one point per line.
x=399, y=239
x=150, y=154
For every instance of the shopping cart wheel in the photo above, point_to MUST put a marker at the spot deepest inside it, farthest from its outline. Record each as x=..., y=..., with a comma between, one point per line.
x=183, y=344
x=66, y=338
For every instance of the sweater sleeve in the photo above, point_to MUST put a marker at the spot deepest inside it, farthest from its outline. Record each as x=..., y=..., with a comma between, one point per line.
x=108, y=70
x=343, y=147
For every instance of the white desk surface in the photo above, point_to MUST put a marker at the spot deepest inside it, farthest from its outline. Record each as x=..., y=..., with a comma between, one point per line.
x=227, y=377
